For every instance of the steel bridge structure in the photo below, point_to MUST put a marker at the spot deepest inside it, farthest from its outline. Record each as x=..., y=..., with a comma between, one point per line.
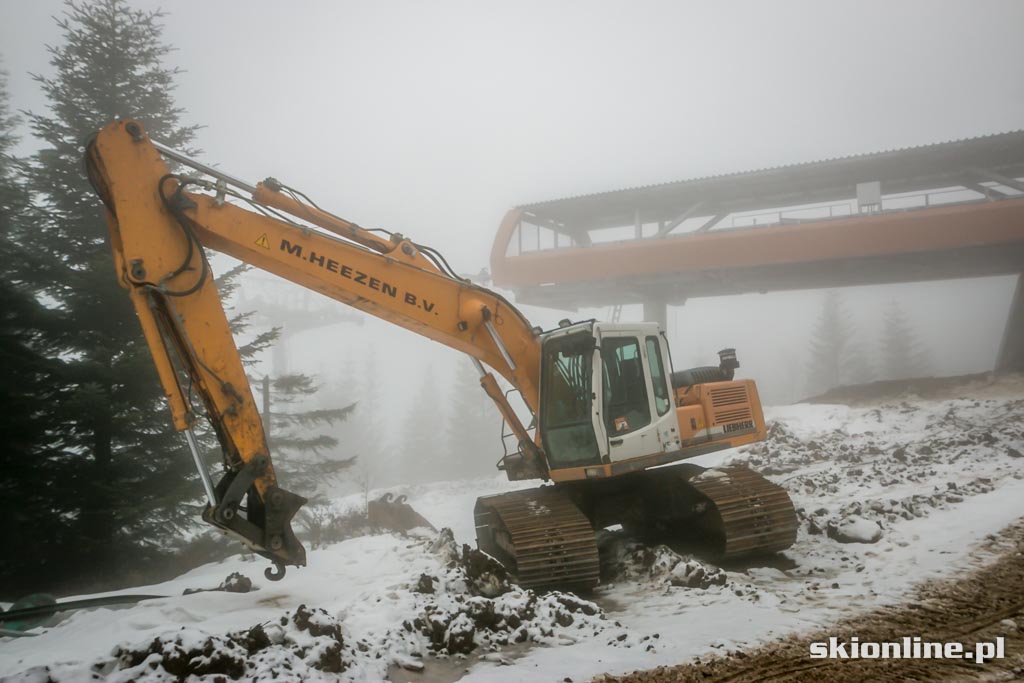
x=937, y=212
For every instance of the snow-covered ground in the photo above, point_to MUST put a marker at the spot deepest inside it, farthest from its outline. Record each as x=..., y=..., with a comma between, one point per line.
x=934, y=477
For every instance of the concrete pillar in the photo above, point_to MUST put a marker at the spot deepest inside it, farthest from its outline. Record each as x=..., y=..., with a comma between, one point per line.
x=1011, y=350
x=656, y=311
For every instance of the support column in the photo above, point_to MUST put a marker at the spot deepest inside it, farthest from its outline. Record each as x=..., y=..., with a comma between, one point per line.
x=1011, y=350
x=656, y=311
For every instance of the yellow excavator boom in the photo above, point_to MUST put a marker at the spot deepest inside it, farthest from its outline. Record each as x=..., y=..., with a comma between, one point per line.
x=607, y=408
x=158, y=232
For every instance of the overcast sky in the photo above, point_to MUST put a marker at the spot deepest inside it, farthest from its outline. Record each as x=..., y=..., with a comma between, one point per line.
x=434, y=118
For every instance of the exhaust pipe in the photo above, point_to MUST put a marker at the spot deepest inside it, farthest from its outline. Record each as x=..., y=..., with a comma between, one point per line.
x=727, y=363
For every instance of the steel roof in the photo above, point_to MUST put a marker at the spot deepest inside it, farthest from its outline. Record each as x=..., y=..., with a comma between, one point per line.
x=899, y=170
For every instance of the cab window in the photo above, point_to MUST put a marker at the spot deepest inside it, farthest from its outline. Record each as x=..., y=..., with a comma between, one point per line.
x=625, y=389
x=661, y=399
x=566, y=410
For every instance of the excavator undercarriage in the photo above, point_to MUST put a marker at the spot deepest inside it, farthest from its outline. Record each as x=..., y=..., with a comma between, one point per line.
x=547, y=536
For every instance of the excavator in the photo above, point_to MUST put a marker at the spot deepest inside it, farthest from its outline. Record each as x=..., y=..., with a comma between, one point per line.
x=610, y=421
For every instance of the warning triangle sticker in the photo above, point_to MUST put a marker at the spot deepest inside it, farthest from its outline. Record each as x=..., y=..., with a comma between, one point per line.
x=263, y=241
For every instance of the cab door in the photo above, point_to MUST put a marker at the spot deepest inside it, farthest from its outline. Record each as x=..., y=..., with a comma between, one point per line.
x=626, y=396
x=665, y=417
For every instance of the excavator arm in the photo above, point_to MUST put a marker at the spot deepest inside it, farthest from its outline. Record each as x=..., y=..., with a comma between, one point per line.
x=160, y=225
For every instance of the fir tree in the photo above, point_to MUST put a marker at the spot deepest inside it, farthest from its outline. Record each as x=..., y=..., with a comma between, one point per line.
x=835, y=357
x=381, y=464
x=473, y=428
x=304, y=455
x=32, y=451
x=858, y=367
x=422, y=456
x=130, y=469
x=903, y=355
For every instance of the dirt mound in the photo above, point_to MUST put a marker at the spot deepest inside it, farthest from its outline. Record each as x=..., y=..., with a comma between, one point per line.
x=950, y=442
x=473, y=606
x=295, y=647
x=481, y=574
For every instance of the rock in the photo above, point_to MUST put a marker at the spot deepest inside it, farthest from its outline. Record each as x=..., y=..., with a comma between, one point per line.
x=694, y=574
x=425, y=584
x=236, y=583
x=408, y=663
x=458, y=638
x=854, y=529
x=1014, y=453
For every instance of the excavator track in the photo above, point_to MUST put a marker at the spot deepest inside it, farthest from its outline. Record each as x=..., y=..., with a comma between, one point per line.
x=540, y=536
x=544, y=538
x=749, y=515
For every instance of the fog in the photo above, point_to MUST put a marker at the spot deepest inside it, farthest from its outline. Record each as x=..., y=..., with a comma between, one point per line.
x=433, y=119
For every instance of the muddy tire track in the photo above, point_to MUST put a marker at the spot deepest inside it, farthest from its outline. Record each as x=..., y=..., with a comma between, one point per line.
x=969, y=608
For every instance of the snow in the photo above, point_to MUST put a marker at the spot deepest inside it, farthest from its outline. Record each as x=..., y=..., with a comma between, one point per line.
x=936, y=477
x=856, y=529
x=712, y=475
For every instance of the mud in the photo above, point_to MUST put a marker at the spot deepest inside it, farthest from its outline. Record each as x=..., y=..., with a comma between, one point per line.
x=968, y=609
x=980, y=385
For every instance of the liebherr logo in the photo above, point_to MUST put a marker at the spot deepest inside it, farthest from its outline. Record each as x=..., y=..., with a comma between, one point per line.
x=737, y=426
x=357, y=276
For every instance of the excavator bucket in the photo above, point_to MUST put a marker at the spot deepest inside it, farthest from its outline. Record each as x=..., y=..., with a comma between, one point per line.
x=395, y=514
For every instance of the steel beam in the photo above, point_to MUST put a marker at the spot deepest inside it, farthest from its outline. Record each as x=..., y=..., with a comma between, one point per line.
x=986, y=174
x=678, y=220
x=985, y=190
x=715, y=220
x=548, y=223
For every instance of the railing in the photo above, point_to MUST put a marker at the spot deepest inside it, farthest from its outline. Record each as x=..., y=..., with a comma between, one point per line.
x=532, y=237
x=845, y=209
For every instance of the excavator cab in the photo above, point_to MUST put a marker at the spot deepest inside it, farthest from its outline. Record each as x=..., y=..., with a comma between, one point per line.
x=605, y=397
x=611, y=412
